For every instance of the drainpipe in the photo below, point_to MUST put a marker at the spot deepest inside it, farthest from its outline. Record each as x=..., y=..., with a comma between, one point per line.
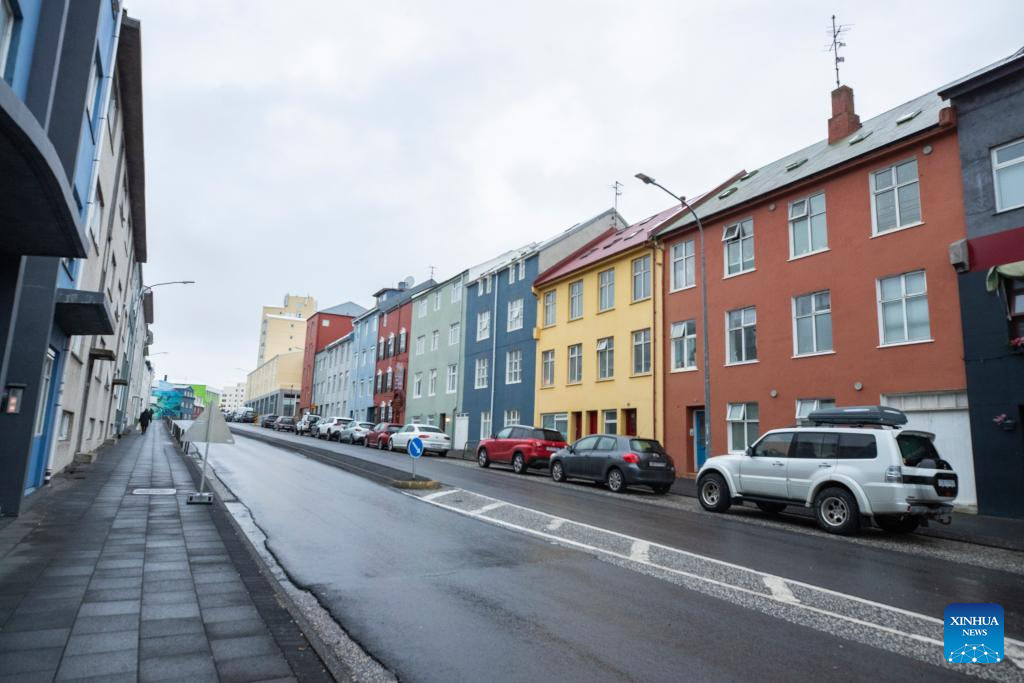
x=494, y=345
x=656, y=250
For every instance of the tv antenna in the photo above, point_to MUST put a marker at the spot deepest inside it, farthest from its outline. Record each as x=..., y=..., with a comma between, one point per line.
x=432, y=269
x=836, y=32
x=616, y=188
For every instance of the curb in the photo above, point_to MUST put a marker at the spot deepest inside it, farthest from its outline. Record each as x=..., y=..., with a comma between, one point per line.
x=416, y=485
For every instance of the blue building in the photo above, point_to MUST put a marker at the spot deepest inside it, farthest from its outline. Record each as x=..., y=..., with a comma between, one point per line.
x=363, y=364
x=57, y=61
x=500, y=316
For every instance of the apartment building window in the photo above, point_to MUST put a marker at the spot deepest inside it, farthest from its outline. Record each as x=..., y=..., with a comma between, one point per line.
x=437, y=300
x=804, y=406
x=684, y=345
x=547, y=368
x=515, y=315
x=557, y=421
x=483, y=325
x=511, y=417
x=96, y=219
x=487, y=283
x=575, y=375
x=550, y=314
x=389, y=379
x=44, y=390
x=1007, y=171
x=417, y=385
x=807, y=230
x=741, y=337
x=435, y=340
x=812, y=323
x=92, y=97
x=903, y=308
x=6, y=32
x=512, y=274
x=606, y=358
x=895, y=197
x=485, y=424
x=641, y=278
x=611, y=421
x=576, y=300
x=684, y=265
x=642, y=352
x=451, y=379
x=401, y=341
x=380, y=348
x=739, y=247
x=379, y=385
x=391, y=345
x=453, y=334
x=384, y=320
x=606, y=289
x=480, y=378
x=421, y=307
x=66, y=419
x=457, y=291
x=421, y=345
x=432, y=383
x=521, y=267
x=744, y=426
x=513, y=367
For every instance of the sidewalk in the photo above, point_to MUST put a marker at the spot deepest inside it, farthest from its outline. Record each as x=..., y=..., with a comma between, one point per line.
x=96, y=582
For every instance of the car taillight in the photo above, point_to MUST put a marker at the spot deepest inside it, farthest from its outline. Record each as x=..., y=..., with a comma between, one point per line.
x=631, y=458
x=894, y=474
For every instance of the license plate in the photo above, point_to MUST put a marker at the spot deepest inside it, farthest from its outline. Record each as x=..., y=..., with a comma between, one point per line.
x=656, y=464
x=552, y=448
x=946, y=484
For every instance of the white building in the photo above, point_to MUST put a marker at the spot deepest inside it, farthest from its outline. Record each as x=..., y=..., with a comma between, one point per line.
x=233, y=396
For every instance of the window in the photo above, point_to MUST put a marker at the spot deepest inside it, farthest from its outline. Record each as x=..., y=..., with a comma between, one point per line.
x=807, y=230
x=513, y=367
x=641, y=278
x=435, y=340
x=739, y=247
x=804, y=407
x=421, y=345
x=437, y=300
x=383, y=319
x=895, y=197
x=743, y=424
x=66, y=418
x=391, y=345
x=457, y=290
x=417, y=385
x=575, y=364
x=547, y=368
x=606, y=289
x=522, y=270
x=1015, y=307
x=861, y=446
x=774, y=446
x=815, y=445
x=557, y=421
x=515, y=315
x=432, y=383
x=402, y=341
x=44, y=391
x=611, y=421
x=451, y=379
x=96, y=219
x=483, y=325
x=606, y=358
x=6, y=31
x=379, y=386
x=812, y=323
x=742, y=335
x=511, y=417
x=549, y=308
x=422, y=307
x=325, y=323
x=487, y=283
x=641, y=352
x=576, y=300
x=389, y=378
x=684, y=345
x=453, y=334
x=1007, y=171
x=512, y=274
x=485, y=424
x=684, y=265
x=903, y=308
x=92, y=97
x=480, y=381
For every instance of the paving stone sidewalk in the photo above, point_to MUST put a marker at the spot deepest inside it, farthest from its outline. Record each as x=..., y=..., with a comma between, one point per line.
x=96, y=582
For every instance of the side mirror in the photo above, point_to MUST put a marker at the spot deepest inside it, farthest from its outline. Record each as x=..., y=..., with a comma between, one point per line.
x=570, y=448
x=750, y=451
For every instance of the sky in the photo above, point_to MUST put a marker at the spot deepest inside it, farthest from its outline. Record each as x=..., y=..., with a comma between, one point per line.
x=330, y=148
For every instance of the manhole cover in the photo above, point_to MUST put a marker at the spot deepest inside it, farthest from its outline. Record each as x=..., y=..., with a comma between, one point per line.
x=154, y=492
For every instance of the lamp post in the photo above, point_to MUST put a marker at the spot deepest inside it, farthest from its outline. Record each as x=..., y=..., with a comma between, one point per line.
x=648, y=180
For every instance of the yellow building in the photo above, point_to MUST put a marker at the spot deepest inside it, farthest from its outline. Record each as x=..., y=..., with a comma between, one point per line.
x=599, y=359
x=283, y=328
x=273, y=387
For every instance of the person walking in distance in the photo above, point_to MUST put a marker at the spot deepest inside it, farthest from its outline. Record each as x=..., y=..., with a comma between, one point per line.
x=145, y=418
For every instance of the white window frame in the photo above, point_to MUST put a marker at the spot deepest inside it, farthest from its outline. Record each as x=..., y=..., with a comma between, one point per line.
x=895, y=187
x=576, y=358
x=486, y=428
x=804, y=407
x=686, y=253
x=641, y=340
x=808, y=215
x=515, y=315
x=513, y=366
x=733, y=235
x=453, y=334
x=417, y=385
x=511, y=417
x=421, y=344
x=512, y=273
x=606, y=358
x=432, y=382
x=610, y=421
x=437, y=300
x=553, y=420
x=680, y=332
x=996, y=168
x=903, y=298
x=421, y=308
x=606, y=290
x=743, y=338
x=483, y=325
x=550, y=308
x=6, y=33
x=813, y=315
x=740, y=412
x=644, y=263
x=480, y=376
x=451, y=381
x=456, y=295
x=43, y=401
x=547, y=368
x=435, y=340
x=576, y=299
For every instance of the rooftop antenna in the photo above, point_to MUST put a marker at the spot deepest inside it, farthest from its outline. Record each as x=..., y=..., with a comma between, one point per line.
x=616, y=187
x=836, y=32
x=432, y=269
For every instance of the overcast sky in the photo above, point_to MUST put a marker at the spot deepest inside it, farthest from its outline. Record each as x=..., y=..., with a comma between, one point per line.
x=336, y=149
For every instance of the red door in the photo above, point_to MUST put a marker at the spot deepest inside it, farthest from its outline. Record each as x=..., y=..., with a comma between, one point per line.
x=630, y=414
x=592, y=420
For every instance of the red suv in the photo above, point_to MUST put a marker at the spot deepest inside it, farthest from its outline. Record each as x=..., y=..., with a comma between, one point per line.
x=380, y=435
x=523, y=447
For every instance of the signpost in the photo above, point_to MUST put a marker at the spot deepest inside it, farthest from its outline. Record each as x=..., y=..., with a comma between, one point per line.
x=209, y=428
x=415, y=449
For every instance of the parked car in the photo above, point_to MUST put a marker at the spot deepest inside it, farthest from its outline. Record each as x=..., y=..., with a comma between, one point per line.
x=434, y=440
x=268, y=421
x=284, y=424
x=618, y=461
x=854, y=462
x=521, y=446
x=306, y=424
x=380, y=435
x=244, y=415
x=329, y=428
x=355, y=432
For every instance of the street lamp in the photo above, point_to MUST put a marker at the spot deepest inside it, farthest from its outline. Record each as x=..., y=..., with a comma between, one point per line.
x=648, y=180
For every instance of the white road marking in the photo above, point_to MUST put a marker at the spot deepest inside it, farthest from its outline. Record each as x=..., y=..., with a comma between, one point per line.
x=640, y=552
x=486, y=508
x=779, y=589
x=555, y=524
x=437, y=494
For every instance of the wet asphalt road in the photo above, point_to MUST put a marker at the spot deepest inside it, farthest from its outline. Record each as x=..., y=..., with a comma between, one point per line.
x=437, y=596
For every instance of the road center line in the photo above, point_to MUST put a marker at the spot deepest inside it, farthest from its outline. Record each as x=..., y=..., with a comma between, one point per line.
x=486, y=508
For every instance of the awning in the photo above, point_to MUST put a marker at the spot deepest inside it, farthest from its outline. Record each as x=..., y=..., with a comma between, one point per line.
x=1013, y=271
x=82, y=312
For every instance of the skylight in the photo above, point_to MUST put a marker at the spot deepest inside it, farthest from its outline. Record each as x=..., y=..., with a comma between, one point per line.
x=750, y=175
x=864, y=134
x=796, y=164
x=907, y=117
x=727, y=192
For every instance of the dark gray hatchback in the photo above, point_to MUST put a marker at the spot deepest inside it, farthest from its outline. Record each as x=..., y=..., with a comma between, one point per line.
x=618, y=461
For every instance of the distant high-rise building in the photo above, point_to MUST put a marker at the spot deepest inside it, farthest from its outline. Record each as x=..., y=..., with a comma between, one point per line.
x=283, y=328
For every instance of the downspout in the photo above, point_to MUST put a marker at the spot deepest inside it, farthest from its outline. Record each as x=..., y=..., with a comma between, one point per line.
x=494, y=345
x=656, y=253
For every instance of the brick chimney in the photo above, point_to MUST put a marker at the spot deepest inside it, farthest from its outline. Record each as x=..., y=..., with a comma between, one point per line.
x=844, y=120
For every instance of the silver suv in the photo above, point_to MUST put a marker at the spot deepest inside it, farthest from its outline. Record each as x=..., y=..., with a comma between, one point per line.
x=852, y=463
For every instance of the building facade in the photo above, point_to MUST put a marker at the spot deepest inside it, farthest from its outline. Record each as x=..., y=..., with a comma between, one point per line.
x=283, y=328
x=363, y=365
x=233, y=397
x=323, y=328
x=991, y=276
x=273, y=387
x=332, y=379
x=393, y=330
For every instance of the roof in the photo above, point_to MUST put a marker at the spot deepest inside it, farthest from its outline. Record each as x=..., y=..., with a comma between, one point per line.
x=875, y=133
x=129, y=71
x=404, y=296
x=984, y=76
x=349, y=308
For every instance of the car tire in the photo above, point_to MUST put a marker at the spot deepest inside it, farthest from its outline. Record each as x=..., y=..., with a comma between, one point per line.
x=771, y=508
x=897, y=524
x=443, y=454
x=558, y=472
x=380, y=444
x=391, y=445
x=615, y=480
x=837, y=511
x=713, y=492
x=519, y=463
x=661, y=489
x=481, y=458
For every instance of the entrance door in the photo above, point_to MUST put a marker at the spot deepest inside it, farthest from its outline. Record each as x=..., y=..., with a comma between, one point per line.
x=461, y=431
x=630, y=418
x=577, y=426
x=43, y=424
x=592, y=421
x=699, y=446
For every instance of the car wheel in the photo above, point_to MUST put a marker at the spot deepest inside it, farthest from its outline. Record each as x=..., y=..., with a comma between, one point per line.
x=897, y=524
x=771, y=508
x=443, y=454
x=837, y=511
x=519, y=463
x=558, y=472
x=661, y=489
x=616, y=483
x=482, y=459
x=391, y=445
x=380, y=444
x=713, y=492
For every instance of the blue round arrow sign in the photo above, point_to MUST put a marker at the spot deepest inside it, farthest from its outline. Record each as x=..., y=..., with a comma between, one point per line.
x=416, y=447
